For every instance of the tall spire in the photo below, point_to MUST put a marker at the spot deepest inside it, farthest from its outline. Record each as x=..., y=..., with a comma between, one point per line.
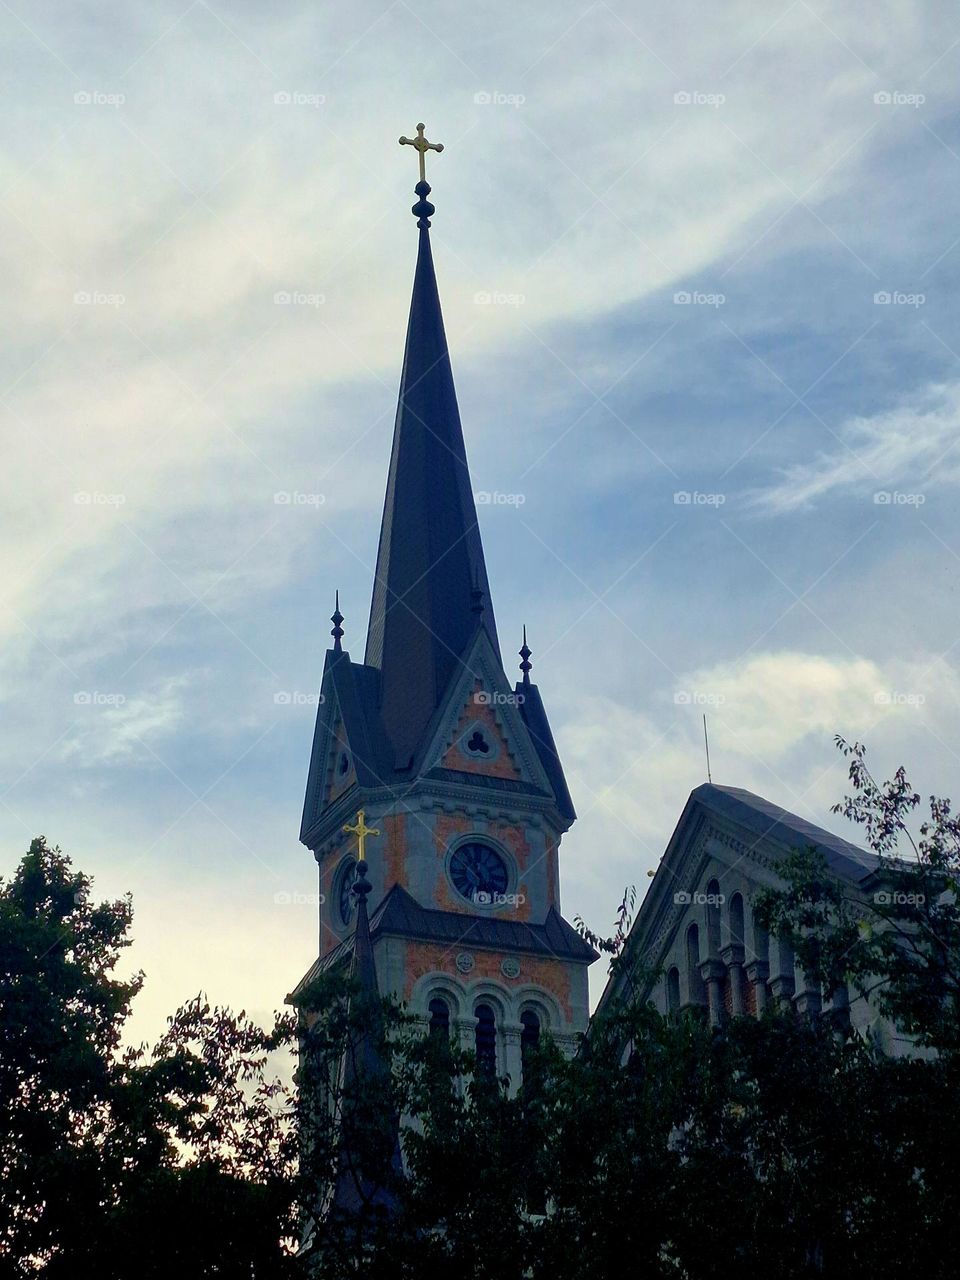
x=430, y=563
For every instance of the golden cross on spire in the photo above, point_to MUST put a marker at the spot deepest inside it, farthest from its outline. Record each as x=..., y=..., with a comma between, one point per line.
x=361, y=831
x=423, y=146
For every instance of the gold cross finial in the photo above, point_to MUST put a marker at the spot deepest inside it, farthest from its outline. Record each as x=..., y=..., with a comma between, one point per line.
x=361, y=831
x=423, y=146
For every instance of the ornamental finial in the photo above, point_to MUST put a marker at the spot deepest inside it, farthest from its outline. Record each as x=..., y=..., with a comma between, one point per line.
x=423, y=210
x=336, y=618
x=361, y=886
x=525, y=663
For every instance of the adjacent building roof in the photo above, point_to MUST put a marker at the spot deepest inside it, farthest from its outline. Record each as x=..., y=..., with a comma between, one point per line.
x=769, y=820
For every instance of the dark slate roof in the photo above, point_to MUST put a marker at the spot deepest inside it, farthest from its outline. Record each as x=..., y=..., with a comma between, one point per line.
x=350, y=689
x=400, y=915
x=535, y=718
x=430, y=559
x=768, y=819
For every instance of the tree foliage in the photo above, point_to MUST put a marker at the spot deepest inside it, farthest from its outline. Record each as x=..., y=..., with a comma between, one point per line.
x=785, y=1145
x=117, y=1160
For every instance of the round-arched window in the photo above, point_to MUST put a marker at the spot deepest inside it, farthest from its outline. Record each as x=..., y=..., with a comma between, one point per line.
x=486, y=1040
x=439, y=1018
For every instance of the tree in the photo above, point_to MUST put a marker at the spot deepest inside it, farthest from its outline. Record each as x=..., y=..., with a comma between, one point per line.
x=899, y=941
x=122, y=1161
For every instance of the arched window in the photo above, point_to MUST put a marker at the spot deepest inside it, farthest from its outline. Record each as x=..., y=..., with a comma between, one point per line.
x=486, y=1043
x=439, y=1019
x=695, y=988
x=673, y=989
x=529, y=1039
x=736, y=920
x=761, y=943
x=713, y=920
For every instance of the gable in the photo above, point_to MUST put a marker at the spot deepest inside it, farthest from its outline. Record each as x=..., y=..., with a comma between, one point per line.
x=479, y=729
x=478, y=743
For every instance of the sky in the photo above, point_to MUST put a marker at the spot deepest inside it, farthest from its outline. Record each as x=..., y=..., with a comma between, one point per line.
x=697, y=265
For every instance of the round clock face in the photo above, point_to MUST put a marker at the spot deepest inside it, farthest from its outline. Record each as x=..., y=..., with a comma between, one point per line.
x=479, y=873
x=345, y=898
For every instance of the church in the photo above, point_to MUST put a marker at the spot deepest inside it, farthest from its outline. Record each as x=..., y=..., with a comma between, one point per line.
x=436, y=789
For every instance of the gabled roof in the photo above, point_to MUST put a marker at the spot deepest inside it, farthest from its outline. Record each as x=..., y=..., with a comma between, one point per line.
x=768, y=820
x=535, y=718
x=430, y=568
x=348, y=690
x=399, y=915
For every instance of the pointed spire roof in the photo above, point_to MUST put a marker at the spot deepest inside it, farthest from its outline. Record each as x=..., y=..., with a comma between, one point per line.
x=430, y=565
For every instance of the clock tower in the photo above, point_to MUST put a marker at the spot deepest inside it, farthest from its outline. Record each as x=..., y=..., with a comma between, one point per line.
x=454, y=767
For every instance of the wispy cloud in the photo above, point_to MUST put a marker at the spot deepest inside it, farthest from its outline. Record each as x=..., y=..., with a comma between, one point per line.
x=113, y=729
x=911, y=448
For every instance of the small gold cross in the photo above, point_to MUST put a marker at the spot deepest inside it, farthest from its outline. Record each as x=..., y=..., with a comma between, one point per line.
x=361, y=831
x=423, y=146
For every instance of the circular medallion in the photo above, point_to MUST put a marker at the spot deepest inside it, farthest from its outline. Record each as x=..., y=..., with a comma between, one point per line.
x=465, y=962
x=510, y=967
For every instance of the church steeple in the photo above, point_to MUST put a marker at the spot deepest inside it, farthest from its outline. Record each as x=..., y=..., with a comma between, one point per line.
x=454, y=763
x=430, y=564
